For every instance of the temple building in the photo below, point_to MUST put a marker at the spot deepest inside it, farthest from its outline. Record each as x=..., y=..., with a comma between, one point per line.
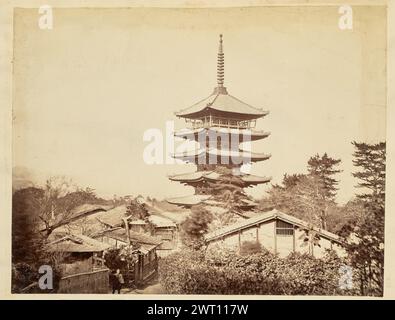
x=222, y=126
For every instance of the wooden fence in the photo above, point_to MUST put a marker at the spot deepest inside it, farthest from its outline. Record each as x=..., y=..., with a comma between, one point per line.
x=87, y=282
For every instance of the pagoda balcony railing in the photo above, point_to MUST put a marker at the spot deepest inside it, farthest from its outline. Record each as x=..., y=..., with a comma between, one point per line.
x=211, y=121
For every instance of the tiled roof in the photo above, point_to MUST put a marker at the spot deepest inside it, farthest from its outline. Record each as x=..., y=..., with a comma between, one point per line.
x=174, y=217
x=145, y=248
x=189, y=200
x=212, y=175
x=79, y=212
x=222, y=102
x=120, y=234
x=74, y=243
x=137, y=222
x=159, y=221
x=267, y=216
x=250, y=178
x=252, y=133
x=249, y=202
x=192, y=176
x=112, y=217
x=239, y=156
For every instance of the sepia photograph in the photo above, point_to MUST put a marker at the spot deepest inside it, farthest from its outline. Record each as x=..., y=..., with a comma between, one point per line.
x=216, y=151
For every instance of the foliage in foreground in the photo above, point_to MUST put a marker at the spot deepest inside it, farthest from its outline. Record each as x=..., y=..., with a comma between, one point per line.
x=225, y=272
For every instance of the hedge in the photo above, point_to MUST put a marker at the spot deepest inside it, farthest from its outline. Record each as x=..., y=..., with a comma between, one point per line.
x=225, y=272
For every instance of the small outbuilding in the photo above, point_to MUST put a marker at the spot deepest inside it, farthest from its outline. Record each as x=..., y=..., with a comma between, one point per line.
x=81, y=264
x=279, y=233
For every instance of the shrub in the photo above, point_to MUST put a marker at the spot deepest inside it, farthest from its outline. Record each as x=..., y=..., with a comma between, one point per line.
x=226, y=272
x=250, y=247
x=25, y=278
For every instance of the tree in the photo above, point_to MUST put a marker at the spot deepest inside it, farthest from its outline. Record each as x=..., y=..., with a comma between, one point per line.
x=324, y=168
x=301, y=196
x=311, y=238
x=365, y=240
x=27, y=241
x=137, y=210
x=36, y=212
x=350, y=213
x=308, y=196
x=61, y=198
x=113, y=259
x=195, y=226
x=228, y=188
x=371, y=158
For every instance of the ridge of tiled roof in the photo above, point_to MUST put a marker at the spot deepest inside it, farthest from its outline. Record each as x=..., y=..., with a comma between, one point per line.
x=76, y=243
x=121, y=234
x=222, y=102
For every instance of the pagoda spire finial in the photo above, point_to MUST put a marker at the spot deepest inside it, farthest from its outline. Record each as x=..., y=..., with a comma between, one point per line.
x=220, y=64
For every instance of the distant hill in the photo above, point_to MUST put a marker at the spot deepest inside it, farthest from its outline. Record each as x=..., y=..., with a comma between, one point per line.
x=22, y=177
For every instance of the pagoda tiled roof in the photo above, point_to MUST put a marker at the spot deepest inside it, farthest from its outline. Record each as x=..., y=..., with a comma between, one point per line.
x=191, y=155
x=223, y=102
x=189, y=200
x=191, y=133
x=212, y=175
x=192, y=176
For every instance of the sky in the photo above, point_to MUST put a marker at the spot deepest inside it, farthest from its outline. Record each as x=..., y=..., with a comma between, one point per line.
x=86, y=91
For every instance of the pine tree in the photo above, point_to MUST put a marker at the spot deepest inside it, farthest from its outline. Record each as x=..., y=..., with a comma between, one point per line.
x=195, y=227
x=324, y=167
x=371, y=158
x=366, y=250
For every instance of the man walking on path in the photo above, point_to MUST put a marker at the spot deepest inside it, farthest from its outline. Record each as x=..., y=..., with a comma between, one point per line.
x=115, y=281
x=120, y=279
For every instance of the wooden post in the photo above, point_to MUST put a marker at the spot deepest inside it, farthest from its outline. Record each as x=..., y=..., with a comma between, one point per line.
x=239, y=240
x=294, y=245
x=125, y=221
x=136, y=271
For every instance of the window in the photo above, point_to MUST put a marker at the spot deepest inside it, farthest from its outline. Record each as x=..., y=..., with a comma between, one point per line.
x=284, y=228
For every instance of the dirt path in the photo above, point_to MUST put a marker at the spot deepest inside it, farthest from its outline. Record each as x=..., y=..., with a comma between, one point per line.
x=155, y=288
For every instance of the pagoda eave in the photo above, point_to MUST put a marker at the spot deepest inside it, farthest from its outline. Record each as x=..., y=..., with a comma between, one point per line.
x=207, y=111
x=220, y=103
x=247, y=134
x=188, y=201
x=221, y=158
x=200, y=177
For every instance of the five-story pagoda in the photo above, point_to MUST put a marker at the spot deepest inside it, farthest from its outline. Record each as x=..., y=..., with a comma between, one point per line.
x=219, y=124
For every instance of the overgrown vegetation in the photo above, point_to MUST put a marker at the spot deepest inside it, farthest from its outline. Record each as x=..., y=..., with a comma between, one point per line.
x=36, y=213
x=225, y=272
x=310, y=197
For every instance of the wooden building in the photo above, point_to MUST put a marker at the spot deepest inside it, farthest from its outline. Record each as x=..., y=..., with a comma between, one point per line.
x=279, y=233
x=166, y=230
x=142, y=245
x=81, y=264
